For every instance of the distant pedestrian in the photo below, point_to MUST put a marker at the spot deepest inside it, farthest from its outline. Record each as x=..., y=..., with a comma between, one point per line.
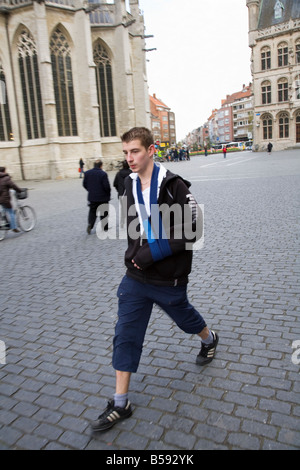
x=6, y=184
x=224, y=151
x=120, y=187
x=270, y=146
x=81, y=167
x=97, y=185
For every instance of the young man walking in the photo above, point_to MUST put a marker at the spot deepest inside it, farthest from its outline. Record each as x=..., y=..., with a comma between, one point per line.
x=158, y=261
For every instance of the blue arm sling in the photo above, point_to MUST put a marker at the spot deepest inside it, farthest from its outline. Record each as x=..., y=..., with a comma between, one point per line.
x=153, y=226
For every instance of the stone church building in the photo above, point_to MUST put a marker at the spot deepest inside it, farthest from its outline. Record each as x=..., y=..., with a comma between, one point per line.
x=72, y=80
x=274, y=38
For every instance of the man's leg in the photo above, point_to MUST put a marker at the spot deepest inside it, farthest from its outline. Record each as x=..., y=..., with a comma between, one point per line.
x=92, y=213
x=122, y=387
x=122, y=381
x=204, y=334
x=102, y=211
x=134, y=314
x=174, y=301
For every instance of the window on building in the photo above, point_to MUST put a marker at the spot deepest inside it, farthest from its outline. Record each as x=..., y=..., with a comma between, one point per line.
x=63, y=84
x=298, y=127
x=283, y=90
x=105, y=91
x=267, y=127
x=266, y=92
x=298, y=51
x=284, y=124
x=283, y=54
x=266, y=58
x=30, y=83
x=5, y=123
x=297, y=87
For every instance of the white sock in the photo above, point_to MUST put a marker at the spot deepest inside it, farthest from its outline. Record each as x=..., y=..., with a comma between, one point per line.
x=120, y=399
x=209, y=339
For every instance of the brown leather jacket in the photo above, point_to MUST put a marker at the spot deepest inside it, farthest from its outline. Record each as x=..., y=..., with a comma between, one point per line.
x=6, y=184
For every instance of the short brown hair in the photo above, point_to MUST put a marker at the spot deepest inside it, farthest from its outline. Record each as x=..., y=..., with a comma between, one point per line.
x=139, y=133
x=98, y=164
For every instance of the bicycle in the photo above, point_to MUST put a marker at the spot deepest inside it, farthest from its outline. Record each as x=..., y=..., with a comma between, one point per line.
x=25, y=215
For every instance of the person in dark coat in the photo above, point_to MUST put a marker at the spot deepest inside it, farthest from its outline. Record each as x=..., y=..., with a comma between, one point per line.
x=6, y=184
x=270, y=146
x=81, y=167
x=97, y=185
x=120, y=187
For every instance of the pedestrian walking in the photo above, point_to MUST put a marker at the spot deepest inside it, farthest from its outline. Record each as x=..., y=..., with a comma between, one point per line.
x=97, y=185
x=81, y=167
x=6, y=183
x=120, y=187
x=224, y=151
x=270, y=146
x=158, y=267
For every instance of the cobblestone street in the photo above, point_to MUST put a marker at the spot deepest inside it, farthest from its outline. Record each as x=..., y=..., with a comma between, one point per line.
x=59, y=308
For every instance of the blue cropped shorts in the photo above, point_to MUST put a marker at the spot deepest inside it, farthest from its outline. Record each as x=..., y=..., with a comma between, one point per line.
x=136, y=301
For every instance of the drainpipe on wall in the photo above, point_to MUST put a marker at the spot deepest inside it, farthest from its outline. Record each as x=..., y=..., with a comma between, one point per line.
x=6, y=14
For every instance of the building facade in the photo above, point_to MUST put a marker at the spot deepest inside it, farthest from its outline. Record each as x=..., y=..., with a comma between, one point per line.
x=225, y=123
x=73, y=79
x=235, y=117
x=274, y=38
x=162, y=122
x=242, y=115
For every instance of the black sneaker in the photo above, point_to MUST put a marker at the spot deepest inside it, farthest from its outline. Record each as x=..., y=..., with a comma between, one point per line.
x=207, y=351
x=89, y=228
x=111, y=416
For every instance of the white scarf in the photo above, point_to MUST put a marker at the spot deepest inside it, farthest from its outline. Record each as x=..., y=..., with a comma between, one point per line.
x=146, y=194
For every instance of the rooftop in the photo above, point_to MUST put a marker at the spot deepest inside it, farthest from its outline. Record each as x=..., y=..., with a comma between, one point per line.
x=273, y=12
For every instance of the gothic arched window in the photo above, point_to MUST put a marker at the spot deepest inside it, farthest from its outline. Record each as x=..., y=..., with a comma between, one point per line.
x=105, y=91
x=266, y=92
x=265, y=58
x=5, y=124
x=30, y=82
x=63, y=84
x=298, y=51
x=298, y=127
x=297, y=87
x=284, y=124
x=283, y=90
x=283, y=54
x=267, y=126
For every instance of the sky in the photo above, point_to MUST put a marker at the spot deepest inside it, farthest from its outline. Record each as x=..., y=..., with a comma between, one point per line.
x=202, y=55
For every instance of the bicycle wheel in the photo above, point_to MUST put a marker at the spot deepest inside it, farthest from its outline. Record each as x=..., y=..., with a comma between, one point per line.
x=2, y=226
x=26, y=218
